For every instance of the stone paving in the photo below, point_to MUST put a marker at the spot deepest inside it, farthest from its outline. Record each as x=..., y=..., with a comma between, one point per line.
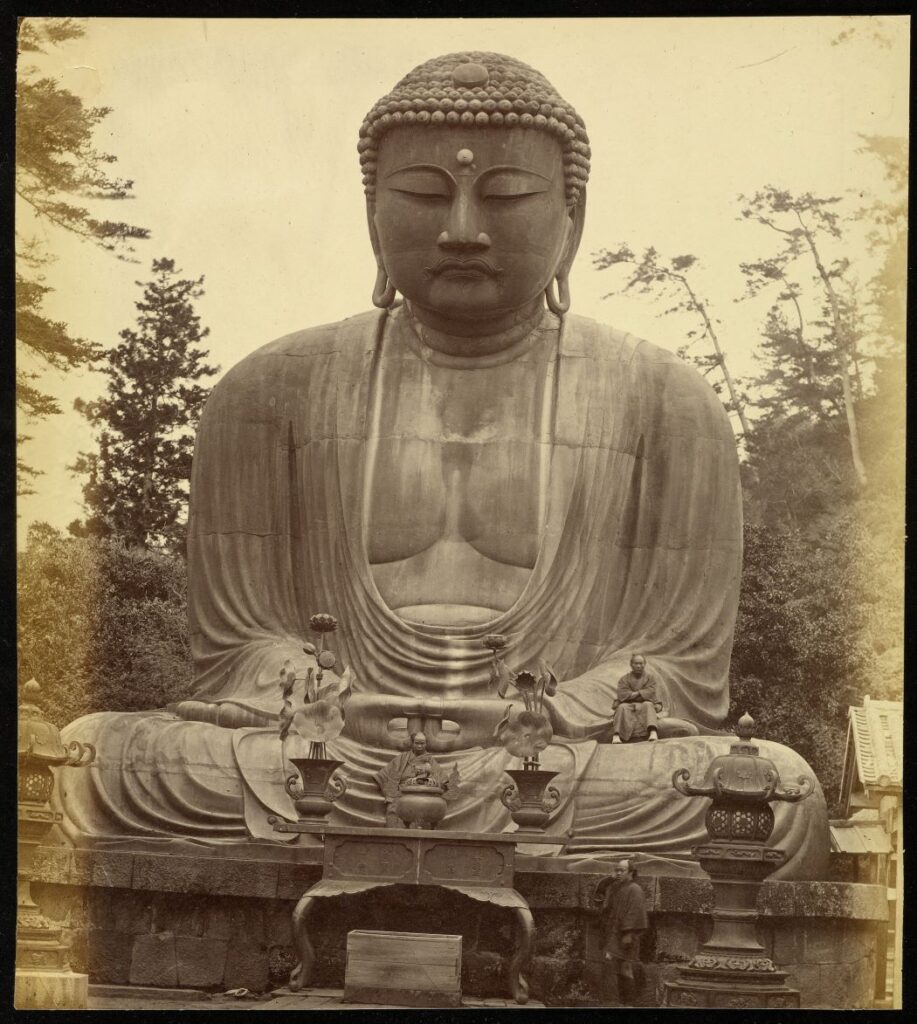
x=111, y=997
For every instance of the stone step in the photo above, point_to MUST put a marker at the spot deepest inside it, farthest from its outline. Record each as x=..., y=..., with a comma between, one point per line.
x=137, y=997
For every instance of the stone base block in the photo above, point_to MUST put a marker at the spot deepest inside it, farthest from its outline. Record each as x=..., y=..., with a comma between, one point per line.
x=739, y=997
x=51, y=990
x=223, y=921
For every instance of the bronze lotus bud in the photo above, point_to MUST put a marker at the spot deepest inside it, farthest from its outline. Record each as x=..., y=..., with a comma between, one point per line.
x=323, y=623
x=495, y=641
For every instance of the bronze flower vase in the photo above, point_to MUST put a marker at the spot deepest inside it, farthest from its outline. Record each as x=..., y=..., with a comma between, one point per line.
x=316, y=789
x=530, y=799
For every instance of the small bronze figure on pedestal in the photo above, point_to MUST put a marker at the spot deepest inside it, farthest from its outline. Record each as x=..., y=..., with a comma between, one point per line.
x=416, y=788
x=636, y=707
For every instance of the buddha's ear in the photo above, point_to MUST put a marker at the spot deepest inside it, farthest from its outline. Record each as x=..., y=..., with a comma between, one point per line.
x=577, y=218
x=373, y=233
x=383, y=290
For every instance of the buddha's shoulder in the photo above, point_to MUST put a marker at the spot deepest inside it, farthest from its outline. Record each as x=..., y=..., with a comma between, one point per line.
x=621, y=353
x=625, y=368
x=293, y=352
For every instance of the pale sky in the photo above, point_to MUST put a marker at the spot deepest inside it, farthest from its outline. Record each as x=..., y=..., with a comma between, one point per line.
x=240, y=136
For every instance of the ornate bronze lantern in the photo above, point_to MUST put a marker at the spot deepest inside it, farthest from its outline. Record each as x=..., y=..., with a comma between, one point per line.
x=43, y=976
x=732, y=968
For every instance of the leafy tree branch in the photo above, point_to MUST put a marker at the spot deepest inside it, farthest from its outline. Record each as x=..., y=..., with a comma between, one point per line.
x=58, y=171
x=651, y=274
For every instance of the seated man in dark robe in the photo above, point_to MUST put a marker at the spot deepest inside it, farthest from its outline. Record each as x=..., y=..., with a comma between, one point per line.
x=473, y=460
x=636, y=706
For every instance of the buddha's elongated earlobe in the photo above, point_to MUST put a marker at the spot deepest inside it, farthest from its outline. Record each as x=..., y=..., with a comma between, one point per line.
x=383, y=290
x=560, y=302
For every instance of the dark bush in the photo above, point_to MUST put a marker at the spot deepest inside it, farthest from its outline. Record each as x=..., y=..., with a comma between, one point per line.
x=819, y=627
x=102, y=627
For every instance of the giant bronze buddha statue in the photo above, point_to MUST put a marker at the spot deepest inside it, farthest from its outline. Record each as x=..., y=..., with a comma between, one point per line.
x=467, y=460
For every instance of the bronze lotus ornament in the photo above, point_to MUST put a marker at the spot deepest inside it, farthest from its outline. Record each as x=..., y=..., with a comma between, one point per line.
x=319, y=718
x=529, y=798
x=530, y=731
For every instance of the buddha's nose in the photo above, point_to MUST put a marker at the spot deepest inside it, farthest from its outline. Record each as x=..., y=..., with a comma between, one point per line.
x=462, y=233
x=478, y=244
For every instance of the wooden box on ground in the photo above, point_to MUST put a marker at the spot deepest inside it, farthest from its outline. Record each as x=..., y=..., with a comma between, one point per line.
x=403, y=968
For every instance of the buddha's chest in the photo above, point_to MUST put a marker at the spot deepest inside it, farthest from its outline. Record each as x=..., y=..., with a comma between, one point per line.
x=457, y=457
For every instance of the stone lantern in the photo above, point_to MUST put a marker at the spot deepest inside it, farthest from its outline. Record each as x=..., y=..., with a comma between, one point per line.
x=732, y=969
x=43, y=976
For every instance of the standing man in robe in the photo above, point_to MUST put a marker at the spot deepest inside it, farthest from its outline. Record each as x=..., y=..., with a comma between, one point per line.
x=636, y=706
x=624, y=910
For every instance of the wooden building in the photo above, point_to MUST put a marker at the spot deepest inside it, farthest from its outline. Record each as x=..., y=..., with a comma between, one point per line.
x=870, y=834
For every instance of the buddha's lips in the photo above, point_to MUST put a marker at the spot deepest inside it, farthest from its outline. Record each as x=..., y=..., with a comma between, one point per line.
x=472, y=267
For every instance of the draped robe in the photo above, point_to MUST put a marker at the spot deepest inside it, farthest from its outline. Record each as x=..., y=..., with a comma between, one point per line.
x=640, y=551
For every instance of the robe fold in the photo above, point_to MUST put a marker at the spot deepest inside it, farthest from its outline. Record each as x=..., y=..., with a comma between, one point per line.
x=641, y=551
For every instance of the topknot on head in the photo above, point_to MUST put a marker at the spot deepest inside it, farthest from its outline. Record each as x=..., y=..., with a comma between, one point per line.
x=478, y=89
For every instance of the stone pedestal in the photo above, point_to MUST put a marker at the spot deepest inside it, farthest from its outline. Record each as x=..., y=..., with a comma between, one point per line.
x=732, y=970
x=175, y=918
x=50, y=990
x=44, y=980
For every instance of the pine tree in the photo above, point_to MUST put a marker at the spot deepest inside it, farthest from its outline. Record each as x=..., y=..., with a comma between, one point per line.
x=806, y=222
x=669, y=280
x=800, y=377
x=799, y=473
x=57, y=167
x=138, y=481
x=888, y=236
x=883, y=412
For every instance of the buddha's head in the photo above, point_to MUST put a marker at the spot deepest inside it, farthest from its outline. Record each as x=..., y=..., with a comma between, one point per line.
x=475, y=174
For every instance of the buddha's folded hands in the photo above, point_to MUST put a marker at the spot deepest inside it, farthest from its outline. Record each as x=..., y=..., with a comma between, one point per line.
x=387, y=720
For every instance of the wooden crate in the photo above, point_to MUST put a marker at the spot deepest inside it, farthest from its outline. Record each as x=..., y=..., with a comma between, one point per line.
x=403, y=968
